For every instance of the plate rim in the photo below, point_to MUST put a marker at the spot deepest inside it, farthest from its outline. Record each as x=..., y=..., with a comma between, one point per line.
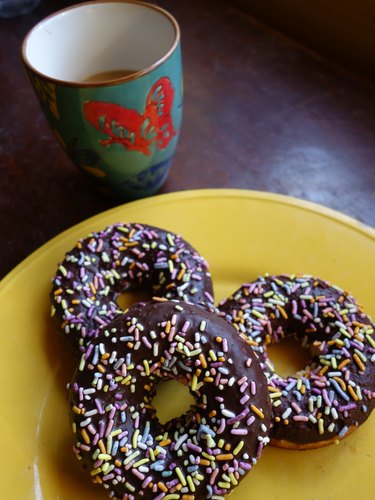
x=282, y=199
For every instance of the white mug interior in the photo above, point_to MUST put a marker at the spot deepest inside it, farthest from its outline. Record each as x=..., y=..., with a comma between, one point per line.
x=98, y=37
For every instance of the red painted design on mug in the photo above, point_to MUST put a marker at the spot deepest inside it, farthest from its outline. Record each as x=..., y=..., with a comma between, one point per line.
x=136, y=131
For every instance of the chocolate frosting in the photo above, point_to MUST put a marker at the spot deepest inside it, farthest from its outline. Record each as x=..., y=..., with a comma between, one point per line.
x=119, y=258
x=207, y=451
x=335, y=392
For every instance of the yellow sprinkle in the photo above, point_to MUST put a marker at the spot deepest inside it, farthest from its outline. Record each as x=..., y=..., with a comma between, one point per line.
x=104, y=456
x=135, y=438
x=321, y=426
x=274, y=395
x=141, y=462
x=126, y=380
x=209, y=457
x=93, y=289
x=212, y=355
x=238, y=448
x=147, y=368
x=233, y=480
x=190, y=484
x=180, y=476
x=223, y=484
x=96, y=471
x=101, y=368
x=194, y=382
x=370, y=340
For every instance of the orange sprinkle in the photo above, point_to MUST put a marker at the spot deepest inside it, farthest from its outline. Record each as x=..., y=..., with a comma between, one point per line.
x=93, y=289
x=212, y=413
x=105, y=355
x=101, y=446
x=203, y=361
x=85, y=436
x=352, y=393
x=162, y=487
x=257, y=411
x=342, y=364
x=208, y=379
x=205, y=462
x=58, y=291
x=76, y=301
x=180, y=274
x=219, y=340
x=224, y=456
x=100, y=368
x=227, y=447
x=282, y=311
x=166, y=442
x=357, y=359
x=341, y=382
x=323, y=370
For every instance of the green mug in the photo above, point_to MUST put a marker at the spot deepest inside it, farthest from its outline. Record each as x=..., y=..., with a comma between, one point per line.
x=108, y=75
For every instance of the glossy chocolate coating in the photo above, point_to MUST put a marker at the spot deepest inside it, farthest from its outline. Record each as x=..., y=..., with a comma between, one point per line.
x=119, y=258
x=335, y=392
x=205, y=452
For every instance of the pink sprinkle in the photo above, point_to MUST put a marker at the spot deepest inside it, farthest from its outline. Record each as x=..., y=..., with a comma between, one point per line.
x=109, y=428
x=239, y=432
x=213, y=475
x=253, y=388
x=222, y=426
x=225, y=345
x=244, y=399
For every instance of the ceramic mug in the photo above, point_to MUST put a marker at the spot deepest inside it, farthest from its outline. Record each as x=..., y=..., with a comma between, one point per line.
x=109, y=79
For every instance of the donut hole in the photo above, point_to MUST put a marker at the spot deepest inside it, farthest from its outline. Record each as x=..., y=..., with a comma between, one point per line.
x=172, y=400
x=128, y=298
x=288, y=356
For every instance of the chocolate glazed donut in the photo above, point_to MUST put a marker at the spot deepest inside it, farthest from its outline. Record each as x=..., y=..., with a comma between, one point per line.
x=119, y=258
x=203, y=454
x=334, y=394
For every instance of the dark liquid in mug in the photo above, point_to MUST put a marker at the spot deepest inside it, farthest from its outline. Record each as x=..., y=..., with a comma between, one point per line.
x=114, y=74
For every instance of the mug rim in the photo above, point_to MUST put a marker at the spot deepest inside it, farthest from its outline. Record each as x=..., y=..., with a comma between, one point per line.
x=115, y=81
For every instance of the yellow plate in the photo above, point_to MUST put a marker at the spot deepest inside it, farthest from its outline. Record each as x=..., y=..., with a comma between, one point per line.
x=242, y=234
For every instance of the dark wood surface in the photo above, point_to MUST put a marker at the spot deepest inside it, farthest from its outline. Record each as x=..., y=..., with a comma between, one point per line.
x=260, y=112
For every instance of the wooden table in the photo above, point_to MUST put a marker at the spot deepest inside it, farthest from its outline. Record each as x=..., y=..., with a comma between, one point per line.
x=260, y=112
